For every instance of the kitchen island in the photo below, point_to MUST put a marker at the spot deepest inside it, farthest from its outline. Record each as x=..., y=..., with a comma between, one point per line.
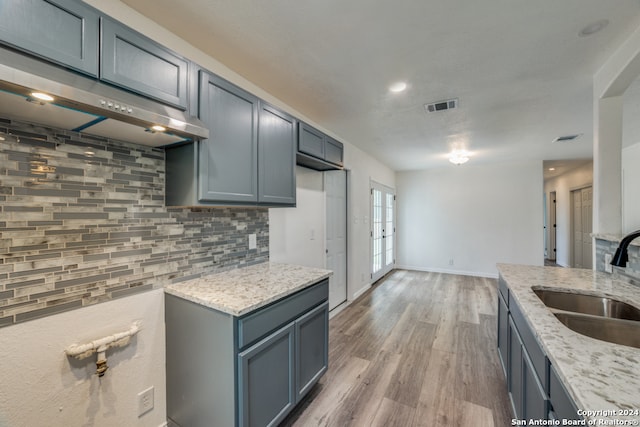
x=596, y=375
x=244, y=346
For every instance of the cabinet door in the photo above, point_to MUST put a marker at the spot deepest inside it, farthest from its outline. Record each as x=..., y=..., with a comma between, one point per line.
x=312, y=348
x=130, y=60
x=311, y=141
x=535, y=402
x=514, y=377
x=266, y=379
x=63, y=31
x=562, y=404
x=503, y=333
x=277, y=157
x=228, y=160
x=333, y=151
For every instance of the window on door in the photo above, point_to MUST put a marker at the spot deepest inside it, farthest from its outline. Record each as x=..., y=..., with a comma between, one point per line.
x=382, y=230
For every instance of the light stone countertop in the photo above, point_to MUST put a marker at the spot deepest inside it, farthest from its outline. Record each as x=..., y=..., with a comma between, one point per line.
x=598, y=375
x=243, y=290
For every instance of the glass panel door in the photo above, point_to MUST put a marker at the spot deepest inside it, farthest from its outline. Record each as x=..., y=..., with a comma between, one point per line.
x=382, y=230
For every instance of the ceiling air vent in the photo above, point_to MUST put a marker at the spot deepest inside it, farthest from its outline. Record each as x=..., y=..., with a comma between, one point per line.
x=567, y=138
x=448, y=104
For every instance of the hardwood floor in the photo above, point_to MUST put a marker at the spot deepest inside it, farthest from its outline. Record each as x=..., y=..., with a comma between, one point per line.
x=418, y=349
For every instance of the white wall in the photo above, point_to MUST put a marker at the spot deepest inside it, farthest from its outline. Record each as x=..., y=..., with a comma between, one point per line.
x=476, y=216
x=362, y=170
x=290, y=230
x=40, y=386
x=630, y=185
x=297, y=235
x=563, y=185
x=631, y=158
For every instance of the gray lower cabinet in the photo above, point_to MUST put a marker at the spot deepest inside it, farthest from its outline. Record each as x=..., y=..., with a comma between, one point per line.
x=514, y=371
x=503, y=333
x=534, y=388
x=249, y=158
x=562, y=406
x=61, y=31
x=266, y=379
x=311, y=350
x=132, y=61
x=247, y=371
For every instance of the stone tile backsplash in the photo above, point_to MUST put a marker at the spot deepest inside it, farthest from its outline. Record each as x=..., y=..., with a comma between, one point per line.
x=630, y=274
x=83, y=220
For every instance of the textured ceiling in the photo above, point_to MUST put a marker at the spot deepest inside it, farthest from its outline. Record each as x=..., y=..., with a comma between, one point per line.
x=521, y=72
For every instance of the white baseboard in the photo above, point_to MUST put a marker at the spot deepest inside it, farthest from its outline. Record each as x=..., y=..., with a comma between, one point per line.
x=361, y=291
x=447, y=271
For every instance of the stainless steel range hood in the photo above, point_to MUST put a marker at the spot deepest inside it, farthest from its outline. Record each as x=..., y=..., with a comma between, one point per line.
x=85, y=105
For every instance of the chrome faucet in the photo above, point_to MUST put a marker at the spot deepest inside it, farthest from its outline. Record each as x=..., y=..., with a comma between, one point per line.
x=621, y=257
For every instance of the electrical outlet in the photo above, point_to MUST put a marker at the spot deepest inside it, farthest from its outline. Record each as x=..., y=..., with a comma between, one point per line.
x=145, y=401
x=252, y=241
x=451, y=261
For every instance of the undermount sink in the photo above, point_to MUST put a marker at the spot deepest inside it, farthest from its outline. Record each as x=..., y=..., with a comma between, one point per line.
x=624, y=332
x=588, y=304
x=598, y=317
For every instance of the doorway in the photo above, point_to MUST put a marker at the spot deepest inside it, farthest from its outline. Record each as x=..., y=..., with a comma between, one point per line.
x=383, y=230
x=552, y=226
x=335, y=186
x=581, y=227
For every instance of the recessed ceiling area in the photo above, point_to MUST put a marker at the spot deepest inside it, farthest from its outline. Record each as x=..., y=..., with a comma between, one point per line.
x=521, y=70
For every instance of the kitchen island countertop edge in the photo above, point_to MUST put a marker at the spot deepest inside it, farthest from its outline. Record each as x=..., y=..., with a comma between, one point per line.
x=243, y=290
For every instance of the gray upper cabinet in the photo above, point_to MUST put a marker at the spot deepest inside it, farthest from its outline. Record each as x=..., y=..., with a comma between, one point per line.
x=228, y=160
x=311, y=141
x=249, y=158
x=333, y=151
x=135, y=62
x=276, y=157
x=317, y=150
x=62, y=31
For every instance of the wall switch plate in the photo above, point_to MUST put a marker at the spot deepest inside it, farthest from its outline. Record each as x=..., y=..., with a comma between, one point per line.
x=607, y=263
x=145, y=401
x=252, y=241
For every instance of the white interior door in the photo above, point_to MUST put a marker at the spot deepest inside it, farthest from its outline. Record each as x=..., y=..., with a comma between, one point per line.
x=335, y=186
x=382, y=230
x=587, y=227
x=582, y=222
x=552, y=225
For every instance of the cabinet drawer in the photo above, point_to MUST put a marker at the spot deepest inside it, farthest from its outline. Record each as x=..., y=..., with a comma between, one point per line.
x=63, y=31
x=333, y=151
x=561, y=404
x=258, y=324
x=131, y=60
x=538, y=358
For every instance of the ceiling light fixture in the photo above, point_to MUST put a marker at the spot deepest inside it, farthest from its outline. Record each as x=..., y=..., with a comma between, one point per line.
x=593, y=28
x=552, y=169
x=459, y=157
x=398, y=87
